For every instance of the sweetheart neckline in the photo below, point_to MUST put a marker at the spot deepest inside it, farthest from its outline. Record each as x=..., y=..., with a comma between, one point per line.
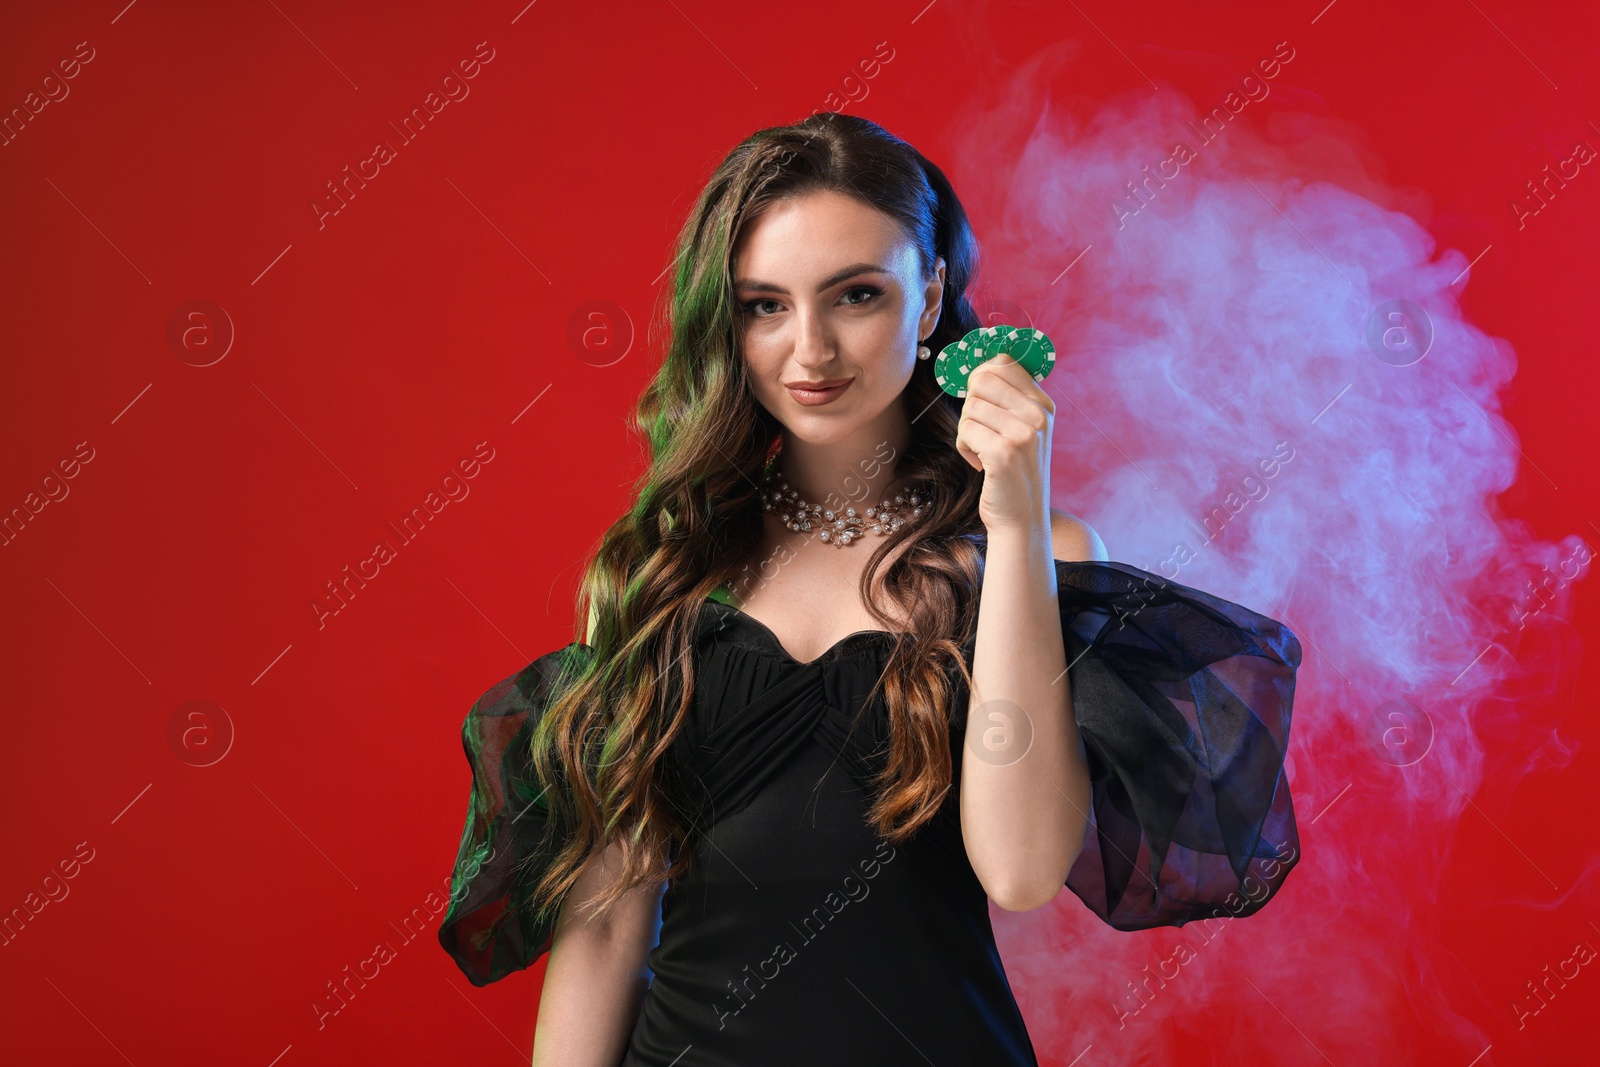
x=779, y=647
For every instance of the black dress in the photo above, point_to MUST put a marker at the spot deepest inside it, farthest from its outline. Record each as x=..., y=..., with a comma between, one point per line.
x=799, y=936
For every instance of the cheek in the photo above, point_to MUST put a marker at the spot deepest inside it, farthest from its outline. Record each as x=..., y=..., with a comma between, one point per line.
x=887, y=340
x=763, y=364
x=882, y=334
x=886, y=352
x=761, y=353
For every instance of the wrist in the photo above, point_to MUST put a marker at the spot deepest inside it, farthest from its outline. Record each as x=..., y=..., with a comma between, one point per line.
x=1035, y=526
x=1027, y=542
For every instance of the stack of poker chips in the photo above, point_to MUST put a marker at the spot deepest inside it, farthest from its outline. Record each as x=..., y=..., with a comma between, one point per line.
x=1028, y=346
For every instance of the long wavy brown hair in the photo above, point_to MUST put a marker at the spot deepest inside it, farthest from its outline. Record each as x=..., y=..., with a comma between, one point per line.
x=600, y=750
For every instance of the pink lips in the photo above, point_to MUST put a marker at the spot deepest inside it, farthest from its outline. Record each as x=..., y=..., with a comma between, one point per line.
x=814, y=397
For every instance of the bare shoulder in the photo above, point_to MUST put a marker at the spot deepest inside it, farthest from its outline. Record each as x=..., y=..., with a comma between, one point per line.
x=1074, y=540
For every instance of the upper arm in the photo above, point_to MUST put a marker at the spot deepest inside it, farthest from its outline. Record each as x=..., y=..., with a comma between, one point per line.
x=1074, y=540
x=634, y=914
x=595, y=980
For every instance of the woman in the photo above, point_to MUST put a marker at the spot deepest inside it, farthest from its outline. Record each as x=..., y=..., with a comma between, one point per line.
x=831, y=757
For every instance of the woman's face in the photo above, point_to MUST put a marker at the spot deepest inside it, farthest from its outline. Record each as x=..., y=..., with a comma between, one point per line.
x=830, y=291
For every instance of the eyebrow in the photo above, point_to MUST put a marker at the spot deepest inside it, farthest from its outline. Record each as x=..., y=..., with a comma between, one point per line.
x=833, y=279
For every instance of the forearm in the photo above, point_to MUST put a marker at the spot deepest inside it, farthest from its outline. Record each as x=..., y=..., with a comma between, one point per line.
x=1024, y=804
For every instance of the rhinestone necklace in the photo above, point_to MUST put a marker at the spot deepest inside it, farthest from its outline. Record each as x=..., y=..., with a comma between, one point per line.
x=838, y=528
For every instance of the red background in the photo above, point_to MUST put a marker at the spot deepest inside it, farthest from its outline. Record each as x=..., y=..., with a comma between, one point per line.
x=374, y=353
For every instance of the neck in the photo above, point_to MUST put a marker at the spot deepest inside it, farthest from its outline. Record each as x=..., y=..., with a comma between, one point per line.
x=859, y=471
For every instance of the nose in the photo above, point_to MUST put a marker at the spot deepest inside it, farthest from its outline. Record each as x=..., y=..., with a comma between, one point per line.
x=814, y=342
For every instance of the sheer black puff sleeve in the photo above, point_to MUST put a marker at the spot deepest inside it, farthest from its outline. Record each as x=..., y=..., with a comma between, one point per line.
x=1183, y=702
x=490, y=928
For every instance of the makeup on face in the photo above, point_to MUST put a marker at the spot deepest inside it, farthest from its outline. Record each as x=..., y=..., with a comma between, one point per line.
x=821, y=288
x=821, y=392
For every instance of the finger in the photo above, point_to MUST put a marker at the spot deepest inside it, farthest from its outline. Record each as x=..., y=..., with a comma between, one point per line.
x=1025, y=405
x=983, y=426
x=1005, y=369
x=1009, y=376
x=981, y=411
x=1006, y=421
x=965, y=427
x=976, y=438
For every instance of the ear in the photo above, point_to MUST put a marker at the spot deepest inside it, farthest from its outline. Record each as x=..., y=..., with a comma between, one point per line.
x=933, y=297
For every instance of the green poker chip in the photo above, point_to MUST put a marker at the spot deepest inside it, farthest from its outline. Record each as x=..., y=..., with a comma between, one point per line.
x=1028, y=346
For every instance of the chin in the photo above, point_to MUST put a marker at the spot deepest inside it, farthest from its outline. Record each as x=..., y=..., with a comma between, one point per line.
x=819, y=429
